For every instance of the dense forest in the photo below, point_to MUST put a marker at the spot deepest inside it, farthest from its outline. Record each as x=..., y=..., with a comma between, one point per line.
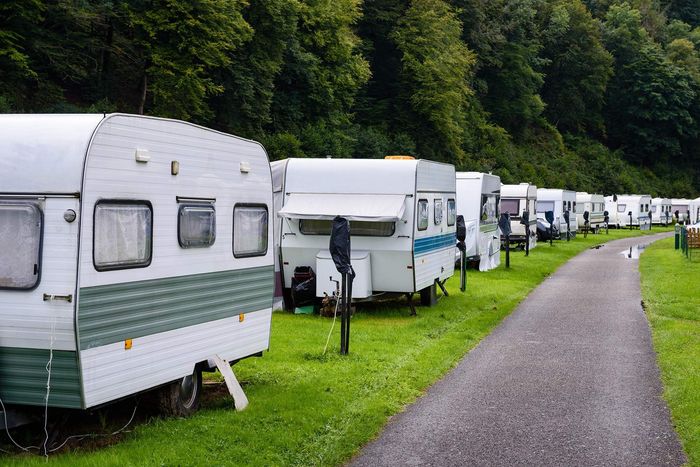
x=597, y=95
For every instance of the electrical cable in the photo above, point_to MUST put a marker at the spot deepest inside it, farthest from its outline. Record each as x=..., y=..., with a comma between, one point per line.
x=335, y=315
x=7, y=431
x=48, y=386
x=98, y=435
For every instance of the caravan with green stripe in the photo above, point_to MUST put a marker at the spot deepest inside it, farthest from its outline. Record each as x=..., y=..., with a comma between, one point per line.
x=146, y=261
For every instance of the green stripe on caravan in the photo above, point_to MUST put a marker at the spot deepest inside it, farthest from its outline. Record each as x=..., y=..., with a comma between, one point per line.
x=23, y=377
x=116, y=312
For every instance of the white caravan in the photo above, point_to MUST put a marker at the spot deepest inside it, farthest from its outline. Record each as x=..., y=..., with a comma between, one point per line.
x=624, y=209
x=133, y=254
x=558, y=201
x=477, y=200
x=682, y=206
x=402, y=217
x=516, y=199
x=592, y=203
x=694, y=208
x=661, y=212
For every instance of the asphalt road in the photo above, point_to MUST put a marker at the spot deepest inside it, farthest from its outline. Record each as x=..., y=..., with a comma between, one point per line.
x=570, y=378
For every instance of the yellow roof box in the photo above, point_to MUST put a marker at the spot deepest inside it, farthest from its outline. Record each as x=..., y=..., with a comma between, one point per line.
x=400, y=158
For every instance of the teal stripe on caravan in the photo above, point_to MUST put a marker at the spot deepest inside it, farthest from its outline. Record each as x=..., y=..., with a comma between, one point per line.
x=426, y=245
x=116, y=312
x=23, y=377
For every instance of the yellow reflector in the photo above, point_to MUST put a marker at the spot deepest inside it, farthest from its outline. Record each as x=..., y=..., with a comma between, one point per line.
x=127, y=344
x=241, y=317
x=402, y=158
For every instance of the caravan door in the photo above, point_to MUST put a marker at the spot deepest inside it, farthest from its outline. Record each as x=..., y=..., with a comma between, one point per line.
x=38, y=270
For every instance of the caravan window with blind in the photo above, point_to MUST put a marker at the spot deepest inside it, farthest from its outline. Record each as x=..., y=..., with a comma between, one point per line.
x=423, y=215
x=123, y=235
x=20, y=245
x=437, y=213
x=249, y=230
x=196, y=226
x=544, y=206
x=489, y=209
x=451, y=212
x=511, y=206
x=621, y=207
x=357, y=228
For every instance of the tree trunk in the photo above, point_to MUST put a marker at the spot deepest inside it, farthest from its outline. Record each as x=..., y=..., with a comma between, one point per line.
x=144, y=88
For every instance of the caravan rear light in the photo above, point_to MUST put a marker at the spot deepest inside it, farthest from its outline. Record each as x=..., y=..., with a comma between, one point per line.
x=142, y=155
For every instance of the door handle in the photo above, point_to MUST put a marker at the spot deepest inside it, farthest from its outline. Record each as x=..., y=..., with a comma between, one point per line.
x=66, y=298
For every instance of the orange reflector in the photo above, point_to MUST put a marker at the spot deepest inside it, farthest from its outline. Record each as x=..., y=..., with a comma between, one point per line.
x=241, y=317
x=401, y=158
x=127, y=344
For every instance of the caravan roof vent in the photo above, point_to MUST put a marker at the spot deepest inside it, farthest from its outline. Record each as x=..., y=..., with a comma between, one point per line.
x=401, y=158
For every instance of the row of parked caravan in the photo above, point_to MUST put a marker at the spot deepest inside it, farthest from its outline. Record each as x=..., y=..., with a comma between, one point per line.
x=137, y=252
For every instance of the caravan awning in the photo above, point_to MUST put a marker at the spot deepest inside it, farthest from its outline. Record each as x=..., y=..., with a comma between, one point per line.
x=353, y=207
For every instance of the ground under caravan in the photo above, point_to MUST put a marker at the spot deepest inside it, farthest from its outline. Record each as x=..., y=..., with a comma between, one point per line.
x=661, y=212
x=594, y=204
x=516, y=199
x=477, y=200
x=559, y=201
x=629, y=210
x=402, y=217
x=134, y=252
x=682, y=207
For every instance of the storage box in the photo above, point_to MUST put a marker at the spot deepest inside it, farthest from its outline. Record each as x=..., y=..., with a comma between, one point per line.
x=326, y=273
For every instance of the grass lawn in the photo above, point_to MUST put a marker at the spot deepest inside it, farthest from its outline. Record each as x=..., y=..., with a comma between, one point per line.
x=672, y=301
x=312, y=409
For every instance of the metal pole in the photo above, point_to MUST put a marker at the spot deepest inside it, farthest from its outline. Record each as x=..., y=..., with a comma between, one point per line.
x=507, y=251
x=527, y=240
x=347, y=316
x=343, y=291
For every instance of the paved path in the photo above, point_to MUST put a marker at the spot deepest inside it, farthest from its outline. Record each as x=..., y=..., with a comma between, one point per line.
x=570, y=378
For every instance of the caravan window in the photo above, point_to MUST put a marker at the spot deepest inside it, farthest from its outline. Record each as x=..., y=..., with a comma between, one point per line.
x=621, y=207
x=423, y=214
x=489, y=209
x=249, y=230
x=544, y=206
x=196, y=226
x=357, y=228
x=451, y=212
x=20, y=245
x=437, y=214
x=511, y=206
x=123, y=235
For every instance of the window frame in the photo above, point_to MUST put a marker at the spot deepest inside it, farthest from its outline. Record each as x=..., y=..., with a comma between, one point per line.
x=36, y=205
x=427, y=217
x=454, y=203
x=132, y=202
x=233, y=230
x=393, y=229
x=183, y=206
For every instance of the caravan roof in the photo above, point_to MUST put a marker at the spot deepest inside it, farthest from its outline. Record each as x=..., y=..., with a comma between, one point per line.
x=47, y=152
x=522, y=190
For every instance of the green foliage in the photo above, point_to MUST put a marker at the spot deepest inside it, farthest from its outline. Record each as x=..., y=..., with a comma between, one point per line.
x=435, y=67
x=600, y=94
x=578, y=68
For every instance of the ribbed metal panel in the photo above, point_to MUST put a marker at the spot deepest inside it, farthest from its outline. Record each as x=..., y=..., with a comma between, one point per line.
x=436, y=177
x=23, y=377
x=113, y=313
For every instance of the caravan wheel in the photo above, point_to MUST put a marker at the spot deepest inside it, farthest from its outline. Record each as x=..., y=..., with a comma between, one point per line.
x=181, y=398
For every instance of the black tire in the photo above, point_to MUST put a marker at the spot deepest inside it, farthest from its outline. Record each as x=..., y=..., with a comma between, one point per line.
x=181, y=398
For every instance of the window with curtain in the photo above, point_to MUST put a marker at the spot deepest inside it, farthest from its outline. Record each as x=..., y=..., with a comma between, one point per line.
x=249, y=231
x=451, y=212
x=20, y=245
x=123, y=235
x=423, y=215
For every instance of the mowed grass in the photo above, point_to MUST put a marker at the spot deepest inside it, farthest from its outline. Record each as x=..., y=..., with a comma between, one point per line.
x=307, y=408
x=671, y=292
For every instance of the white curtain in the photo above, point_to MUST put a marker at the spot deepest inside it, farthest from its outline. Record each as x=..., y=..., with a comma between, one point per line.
x=122, y=234
x=249, y=231
x=20, y=240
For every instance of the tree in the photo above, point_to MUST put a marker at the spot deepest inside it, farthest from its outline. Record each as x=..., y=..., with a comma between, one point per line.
x=436, y=65
x=179, y=45
x=578, y=68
